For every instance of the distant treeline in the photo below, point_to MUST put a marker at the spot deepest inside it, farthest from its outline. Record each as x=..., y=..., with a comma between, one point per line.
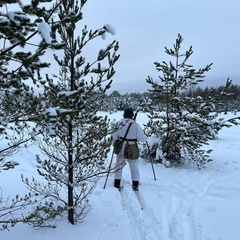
x=116, y=101
x=233, y=91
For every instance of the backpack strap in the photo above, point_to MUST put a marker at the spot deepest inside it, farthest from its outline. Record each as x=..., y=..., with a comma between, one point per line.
x=127, y=130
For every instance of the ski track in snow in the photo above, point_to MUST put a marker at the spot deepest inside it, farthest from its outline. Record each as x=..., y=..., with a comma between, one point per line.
x=181, y=224
x=183, y=204
x=181, y=194
x=145, y=220
x=176, y=201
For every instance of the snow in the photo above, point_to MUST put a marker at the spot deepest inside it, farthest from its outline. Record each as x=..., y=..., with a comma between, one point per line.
x=110, y=29
x=45, y=30
x=52, y=111
x=184, y=203
x=67, y=93
x=14, y=16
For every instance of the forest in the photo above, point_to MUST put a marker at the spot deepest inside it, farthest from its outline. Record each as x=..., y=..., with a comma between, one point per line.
x=116, y=101
x=63, y=121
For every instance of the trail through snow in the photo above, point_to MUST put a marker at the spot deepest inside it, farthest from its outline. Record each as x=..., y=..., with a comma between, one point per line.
x=184, y=203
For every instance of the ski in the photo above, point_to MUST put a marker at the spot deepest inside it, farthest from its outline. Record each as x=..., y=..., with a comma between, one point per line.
x=137, y=194
x=124, y=205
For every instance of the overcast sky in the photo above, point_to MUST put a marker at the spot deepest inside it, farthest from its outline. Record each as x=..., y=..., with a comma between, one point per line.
x=144, y=28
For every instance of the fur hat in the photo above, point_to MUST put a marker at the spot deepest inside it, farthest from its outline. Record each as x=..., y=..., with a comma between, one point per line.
x=128, y=112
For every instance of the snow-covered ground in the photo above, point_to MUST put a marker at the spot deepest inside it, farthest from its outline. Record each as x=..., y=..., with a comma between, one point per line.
x=182, y=204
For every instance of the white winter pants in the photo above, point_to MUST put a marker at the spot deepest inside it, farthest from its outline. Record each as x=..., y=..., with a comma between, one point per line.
x=133, y=164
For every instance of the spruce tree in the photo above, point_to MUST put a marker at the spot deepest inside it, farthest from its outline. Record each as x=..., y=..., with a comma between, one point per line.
x=74, y=138
x=184, y=124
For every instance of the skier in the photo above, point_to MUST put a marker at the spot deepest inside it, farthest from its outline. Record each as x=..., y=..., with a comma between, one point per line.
x=135, y=133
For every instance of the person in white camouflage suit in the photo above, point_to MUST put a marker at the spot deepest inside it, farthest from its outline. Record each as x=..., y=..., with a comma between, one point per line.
x=135, y=133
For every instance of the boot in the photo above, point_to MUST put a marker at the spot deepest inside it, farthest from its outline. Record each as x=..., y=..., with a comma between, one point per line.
x=117, y=183
x=135, y=185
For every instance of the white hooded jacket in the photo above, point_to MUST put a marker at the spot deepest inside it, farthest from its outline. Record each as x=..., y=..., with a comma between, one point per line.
x=135, y=131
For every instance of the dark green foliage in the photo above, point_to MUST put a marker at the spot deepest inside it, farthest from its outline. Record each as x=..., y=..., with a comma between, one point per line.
x=10, y=208
x=20, y=64
x=17, y=30
x=184, y=124
x=6, y=165
x=74, y=139
x=117, y=102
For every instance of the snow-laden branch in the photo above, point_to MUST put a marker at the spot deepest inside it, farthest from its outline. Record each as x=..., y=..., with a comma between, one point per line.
x=45, y=30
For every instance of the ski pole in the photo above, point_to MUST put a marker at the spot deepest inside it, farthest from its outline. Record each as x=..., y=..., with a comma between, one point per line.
x=109, y=168
x=135, y=116
x=154, y=176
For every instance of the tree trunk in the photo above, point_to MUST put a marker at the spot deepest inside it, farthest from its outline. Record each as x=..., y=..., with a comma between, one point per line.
x=70, y=133
x=70, y=178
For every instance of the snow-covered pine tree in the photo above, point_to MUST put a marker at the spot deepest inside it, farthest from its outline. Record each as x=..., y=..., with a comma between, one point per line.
x=185, y=124
x=114, y=102
x=74, y=139
x=21, y=47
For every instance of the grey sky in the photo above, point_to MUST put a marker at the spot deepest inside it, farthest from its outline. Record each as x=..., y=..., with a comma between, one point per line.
x=144, y=28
